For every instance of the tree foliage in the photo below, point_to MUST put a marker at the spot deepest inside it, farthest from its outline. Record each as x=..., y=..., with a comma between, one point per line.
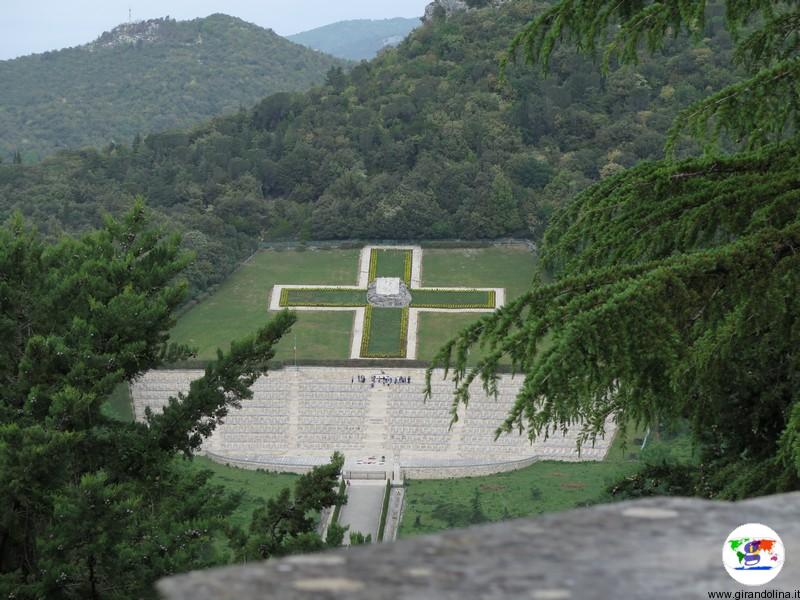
x=96, y=508
x=762, y=107
x=285, y=525
x=671, y=289
x=422, y=142
x=146, y=77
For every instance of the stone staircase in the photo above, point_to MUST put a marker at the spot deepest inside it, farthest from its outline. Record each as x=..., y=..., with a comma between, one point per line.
x=376, y=429
x=294, y=410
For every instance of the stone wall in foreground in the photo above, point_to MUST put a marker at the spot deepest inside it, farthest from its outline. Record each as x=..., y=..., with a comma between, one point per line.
x=663, y=548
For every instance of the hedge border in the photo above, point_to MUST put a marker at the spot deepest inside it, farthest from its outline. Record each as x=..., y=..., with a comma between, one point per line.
x=407, y=267
x=349, y=363
x=338, y=508
x=384, y=513
x=373, y=265
x=365, y=332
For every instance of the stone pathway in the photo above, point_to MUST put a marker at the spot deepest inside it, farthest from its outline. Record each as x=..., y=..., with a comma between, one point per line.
x=363, y=509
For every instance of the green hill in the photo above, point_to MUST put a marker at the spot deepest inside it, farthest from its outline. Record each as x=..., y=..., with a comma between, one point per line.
x=422, y=142
x=360, y=39
x=144, y=77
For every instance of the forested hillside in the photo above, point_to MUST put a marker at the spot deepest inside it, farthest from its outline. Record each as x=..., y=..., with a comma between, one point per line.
x=422, y=142
x=359, y=39
x=145, y=77
x=672, y=290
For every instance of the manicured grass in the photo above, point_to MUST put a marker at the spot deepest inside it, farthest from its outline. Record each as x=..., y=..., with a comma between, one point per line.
x=255, y=485
x=434, y=505
x=452, y=299
x=384, y=337
x=119, y=405
x=434, y=329
x=331, y=297
x=324, y=335
x=239, y=306
x=509, y=267
x=391, y=263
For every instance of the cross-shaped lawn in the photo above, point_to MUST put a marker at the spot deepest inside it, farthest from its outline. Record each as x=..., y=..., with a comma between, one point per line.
x=386, y=332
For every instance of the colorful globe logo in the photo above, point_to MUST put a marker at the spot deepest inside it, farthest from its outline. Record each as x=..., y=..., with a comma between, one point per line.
x=753, y=554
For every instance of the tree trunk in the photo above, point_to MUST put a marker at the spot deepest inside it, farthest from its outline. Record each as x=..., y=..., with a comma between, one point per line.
x=92, y=581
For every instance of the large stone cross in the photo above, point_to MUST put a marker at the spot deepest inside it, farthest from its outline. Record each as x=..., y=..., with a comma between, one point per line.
x=387, y=300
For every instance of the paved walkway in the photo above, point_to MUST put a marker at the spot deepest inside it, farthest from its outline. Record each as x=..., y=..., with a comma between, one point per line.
x=363, y=509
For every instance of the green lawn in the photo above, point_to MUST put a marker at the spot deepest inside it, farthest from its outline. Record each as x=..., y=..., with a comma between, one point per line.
x=119, y=405
x=239, y=306
x=332, y=297
x=391, y=263
x=436, y=329
x=255, y=485
x=384, y=337
x=509, y=267
x=434, y=505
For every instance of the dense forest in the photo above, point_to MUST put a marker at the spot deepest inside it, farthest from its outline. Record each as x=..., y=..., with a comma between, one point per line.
x=145, y=77
x=358, y=39
x=95, y=507
x=670, y=292
x=423, y=142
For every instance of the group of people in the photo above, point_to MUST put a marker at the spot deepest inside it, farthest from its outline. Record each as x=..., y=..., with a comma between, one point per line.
x=382, y=379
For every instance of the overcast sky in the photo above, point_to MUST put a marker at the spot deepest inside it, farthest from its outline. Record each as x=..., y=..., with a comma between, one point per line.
x=28, y=26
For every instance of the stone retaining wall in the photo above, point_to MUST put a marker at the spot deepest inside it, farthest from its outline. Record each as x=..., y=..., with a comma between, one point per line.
x=660, y=548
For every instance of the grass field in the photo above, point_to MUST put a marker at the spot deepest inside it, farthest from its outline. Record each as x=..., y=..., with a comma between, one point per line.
x=255, y=485
x=384, y=336
x=390, y=263
x=434, y=505
x=119, y=405
x=509, y=267
x=239, y=306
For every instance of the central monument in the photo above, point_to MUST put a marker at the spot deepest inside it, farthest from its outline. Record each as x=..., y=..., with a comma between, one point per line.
x=387, y=286
x=388, y=292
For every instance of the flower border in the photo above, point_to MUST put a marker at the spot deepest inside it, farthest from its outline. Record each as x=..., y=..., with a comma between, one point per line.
x=490, y=303
x=285, y=303
x=407, y=267
x=373, y=264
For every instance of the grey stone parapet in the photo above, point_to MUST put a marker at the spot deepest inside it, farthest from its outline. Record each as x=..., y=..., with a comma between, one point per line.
x=649, y=549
